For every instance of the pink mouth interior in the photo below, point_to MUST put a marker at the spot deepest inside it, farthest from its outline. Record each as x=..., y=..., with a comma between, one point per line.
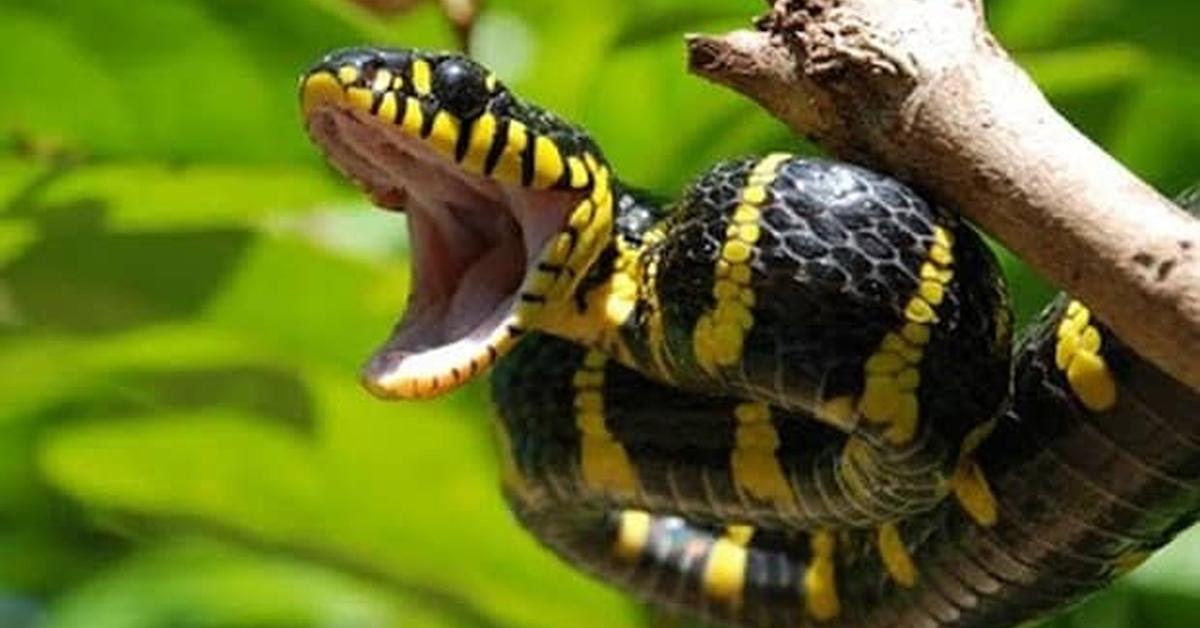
x=472, y=239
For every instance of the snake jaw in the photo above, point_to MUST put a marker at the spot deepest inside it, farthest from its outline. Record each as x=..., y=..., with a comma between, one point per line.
x=464, y=309
x=474, y=238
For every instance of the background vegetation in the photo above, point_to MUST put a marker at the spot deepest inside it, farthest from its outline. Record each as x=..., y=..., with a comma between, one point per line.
x=186, y=293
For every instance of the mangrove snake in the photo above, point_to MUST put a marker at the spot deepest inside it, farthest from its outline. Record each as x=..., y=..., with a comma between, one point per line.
x=786, y=399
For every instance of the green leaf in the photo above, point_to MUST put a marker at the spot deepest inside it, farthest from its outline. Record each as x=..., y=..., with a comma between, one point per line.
x=1158, y=133
x=341, y=498
x=156, y=196
x=656, y=135
x=299, y=299
x=1098, y=67
x=178, y=80
x=41, y=371
x=202, y=583
x=1031, y=24
x=92, y=282
x=671, y=19
x=561, y=45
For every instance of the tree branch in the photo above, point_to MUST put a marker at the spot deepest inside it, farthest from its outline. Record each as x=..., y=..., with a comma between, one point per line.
x=921, y=89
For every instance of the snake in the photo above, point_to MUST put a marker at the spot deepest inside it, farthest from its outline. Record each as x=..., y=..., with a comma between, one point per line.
x=790, y=397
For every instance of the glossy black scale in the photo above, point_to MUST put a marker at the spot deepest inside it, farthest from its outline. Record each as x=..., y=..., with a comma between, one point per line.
x=1080, y=495
x=1059, y=534
x=838, y=259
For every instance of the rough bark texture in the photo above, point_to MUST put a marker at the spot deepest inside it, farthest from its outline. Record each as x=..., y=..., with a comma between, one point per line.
x=921, y=89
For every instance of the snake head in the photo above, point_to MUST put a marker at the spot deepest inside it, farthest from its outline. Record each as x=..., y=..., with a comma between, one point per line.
x=507, y=204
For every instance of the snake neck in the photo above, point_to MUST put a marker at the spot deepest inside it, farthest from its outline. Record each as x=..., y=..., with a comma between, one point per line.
x=635, y=302
x=614, y=307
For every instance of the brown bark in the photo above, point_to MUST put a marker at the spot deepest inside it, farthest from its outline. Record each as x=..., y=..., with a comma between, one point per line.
x=921, y=89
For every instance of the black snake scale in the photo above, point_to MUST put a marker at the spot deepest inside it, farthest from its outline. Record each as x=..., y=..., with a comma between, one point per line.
x=787, y=399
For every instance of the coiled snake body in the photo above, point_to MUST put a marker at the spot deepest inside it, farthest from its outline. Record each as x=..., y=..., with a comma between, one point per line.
x=786, y=399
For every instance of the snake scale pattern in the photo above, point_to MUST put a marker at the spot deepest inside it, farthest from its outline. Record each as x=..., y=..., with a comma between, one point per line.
x=789, y=398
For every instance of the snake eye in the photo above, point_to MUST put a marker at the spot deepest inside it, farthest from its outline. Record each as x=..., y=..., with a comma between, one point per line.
x=460, y=88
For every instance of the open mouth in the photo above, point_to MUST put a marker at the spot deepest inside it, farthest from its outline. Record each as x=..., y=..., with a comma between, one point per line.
x=474, y=239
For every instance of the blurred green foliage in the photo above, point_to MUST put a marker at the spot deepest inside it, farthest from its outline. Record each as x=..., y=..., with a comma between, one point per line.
x=186, y=292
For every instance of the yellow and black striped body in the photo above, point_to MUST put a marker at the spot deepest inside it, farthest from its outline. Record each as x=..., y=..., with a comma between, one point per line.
x=787, y=399
x=1081, y=496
